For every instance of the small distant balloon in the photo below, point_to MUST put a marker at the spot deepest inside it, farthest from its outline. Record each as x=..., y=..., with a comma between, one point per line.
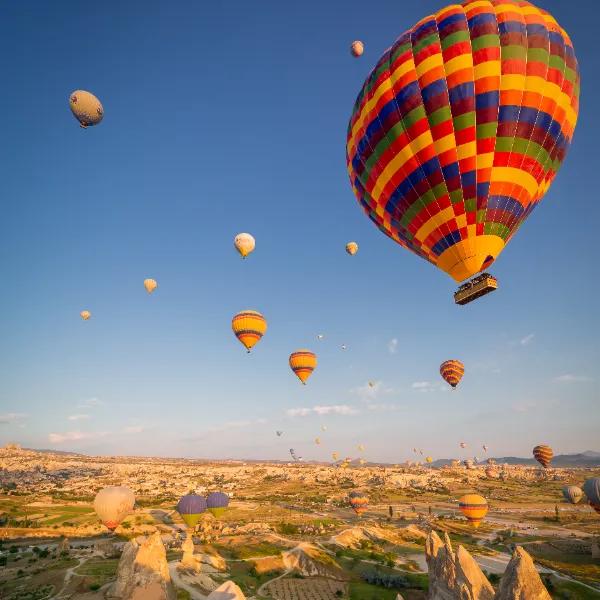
x=317, y=441
x=244, y=243
x=371, y=384
x=344, y=347
x=249, y=326
x=357, y=48
x=543, y=454
x=463, y=444
x=361, y=447
x=485, y=448
x=279, y=433
x=150, y=285
x=320, y=336
x=351, y=248
x=85, y=314
x=358, y=501
x=572, y=493
x=323, y=427
x=86, y=108
x=303, y=363
x=428, y=460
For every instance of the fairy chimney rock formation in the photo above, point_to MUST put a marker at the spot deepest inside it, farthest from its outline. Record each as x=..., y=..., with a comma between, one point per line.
x=143, y=572
x=521, y=580
x=227, y=591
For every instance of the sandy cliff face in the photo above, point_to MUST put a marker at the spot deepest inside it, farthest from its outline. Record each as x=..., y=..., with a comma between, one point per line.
x=521, y=580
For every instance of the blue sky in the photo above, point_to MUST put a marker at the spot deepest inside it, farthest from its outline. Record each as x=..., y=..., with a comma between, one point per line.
x=229, y=117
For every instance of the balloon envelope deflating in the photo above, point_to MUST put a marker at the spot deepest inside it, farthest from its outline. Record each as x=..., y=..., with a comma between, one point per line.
x=190, y=507
x=572, y=493
x=112, y=504
x=452, y=372
x=244, y=243
x=591, y=488
x=543, y=454
x=86, y=108
x=303, y=363
x=460, y=129
x=358, y=501
x=249, y=326
x=217, y=502
x=474, y=507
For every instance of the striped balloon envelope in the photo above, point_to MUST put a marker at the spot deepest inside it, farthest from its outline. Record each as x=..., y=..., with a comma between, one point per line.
x=452, y=371
x=572, y=493
x=460, y=129
x=303, y=363
x=249, y=326
x=358, y=501
x=543, y=454
x=190, y=507
x=474, y=507
x=591, y=488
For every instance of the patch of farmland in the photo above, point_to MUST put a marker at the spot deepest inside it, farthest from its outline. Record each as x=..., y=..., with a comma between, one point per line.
x=314, y=588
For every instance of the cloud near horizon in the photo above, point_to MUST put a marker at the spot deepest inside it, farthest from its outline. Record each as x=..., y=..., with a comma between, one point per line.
x=428, y=386
x=79, y=417
x=134, y=429
x=393, y=346
x=75, y=436
x=334, y=409
x=570, y=378
x=90, y=403
x=527, y=339
x=8, y=418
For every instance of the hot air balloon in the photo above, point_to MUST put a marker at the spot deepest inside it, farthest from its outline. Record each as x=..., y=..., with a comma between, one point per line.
x=351, y=248
x=294, y=455
x=572, y=493
x=279, y=433
x=460, y=128
x=249, y=326
x=463, y=444
x=190, y=507
x=86, y=108
x=474, y=507
x=320, y=336
x=371, y=384
x=85, y=314
x=335, y=455
x=358, y=501
x=543, y=454
x=323, y=427
x=468, y=463
x=591, y=488
x=452, y=372
x=344, y=347
x=357, y=48
x=485, y=448
x=303, y=363
x=421, y=452
x=361, y=447
x=428, y=460
x=217, y=502
x=317, y=441
x=112, y=504
x=150, y=285
x=244, y=243
x=415, y=450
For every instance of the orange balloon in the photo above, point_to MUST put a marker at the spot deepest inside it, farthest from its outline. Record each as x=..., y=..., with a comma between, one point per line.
x=303, y=363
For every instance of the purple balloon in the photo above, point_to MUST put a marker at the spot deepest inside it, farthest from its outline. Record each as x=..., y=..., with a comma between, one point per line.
x=217, y=500
x=191, y=504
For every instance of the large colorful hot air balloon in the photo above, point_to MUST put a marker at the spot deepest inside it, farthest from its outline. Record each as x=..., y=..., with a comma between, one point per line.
x=474, y=507
x=86, y=108
x=452, y=371
x=217, y=502
x=150, y=285
x=591, y=488
x=357, y=48
x=249, y=326
x=543, y=454
x=85, y=315
x=190, y=507
x=358, y=501
x=303, y=363
x=460, y=129
x=244, y=243
x=112, y=504
x=351, y=248
x=572, y=493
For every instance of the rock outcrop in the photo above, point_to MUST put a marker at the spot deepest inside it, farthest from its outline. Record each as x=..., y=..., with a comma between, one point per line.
x=227, y=591
x=521, y=580
x=454, y=575
x=143, y=572
x=311, y=561
x=206, y=563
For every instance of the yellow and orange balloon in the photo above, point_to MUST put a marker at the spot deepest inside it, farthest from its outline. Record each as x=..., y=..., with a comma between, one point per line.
x=474, y=507
x=86, y=108
x=249, y=326
x=452, y=371
x=351, y=248
x=85, y=315
x=150, y=285
x=303, y=363
x=244, y=243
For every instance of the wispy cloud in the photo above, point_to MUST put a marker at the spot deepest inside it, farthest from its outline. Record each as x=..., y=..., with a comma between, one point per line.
x=133, y=429
x=334, y=409
x=524, y=407
x=90, y=403
x=384, y=407
x=527, y=339
x=79, y=417
x=570, y=378
x=393, y=346
x=8, y=418
x=428, y=386
x=75, y=436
